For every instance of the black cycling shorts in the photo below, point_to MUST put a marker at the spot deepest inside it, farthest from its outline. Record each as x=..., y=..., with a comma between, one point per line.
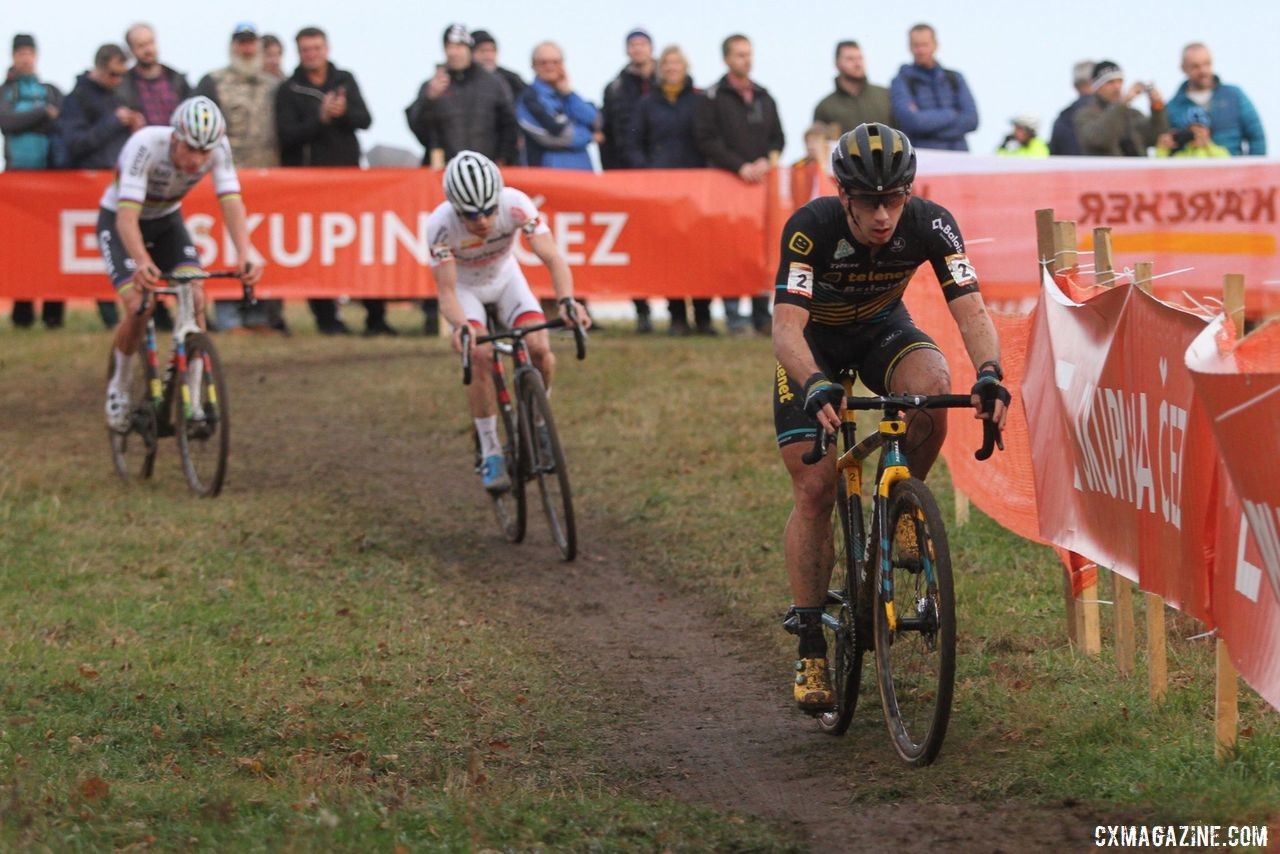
x=166, y=239
x=871, y=352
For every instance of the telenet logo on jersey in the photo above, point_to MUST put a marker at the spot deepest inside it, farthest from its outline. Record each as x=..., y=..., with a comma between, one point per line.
x=800, y=243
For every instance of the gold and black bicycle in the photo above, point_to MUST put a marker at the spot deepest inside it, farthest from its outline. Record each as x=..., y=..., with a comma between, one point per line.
x=892, y=592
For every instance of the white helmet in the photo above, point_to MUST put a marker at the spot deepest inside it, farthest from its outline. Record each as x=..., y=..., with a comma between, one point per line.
x=472, y=183
x=198, y=122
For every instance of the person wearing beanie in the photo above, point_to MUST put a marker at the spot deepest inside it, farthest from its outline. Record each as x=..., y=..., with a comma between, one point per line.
x=484, y=52
x=1107, y=126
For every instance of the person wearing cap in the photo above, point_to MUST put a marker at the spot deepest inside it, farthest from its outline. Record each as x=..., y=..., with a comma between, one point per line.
x=558, y=123
x=1062, y=141
x=484, y=52
x=932, y=104
x=1235, y=122
x=318, y=111
x=149, y=87
x=463, y=107
x=1107, y=126
x=28, y=110
x=246, y=94
x=854, y=101
x=1022, y=140
x=1196, y=140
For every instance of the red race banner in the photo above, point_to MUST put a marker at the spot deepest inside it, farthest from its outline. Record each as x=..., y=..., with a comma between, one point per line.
x=1122, y=454
x=1238, y=383
x=328, y=232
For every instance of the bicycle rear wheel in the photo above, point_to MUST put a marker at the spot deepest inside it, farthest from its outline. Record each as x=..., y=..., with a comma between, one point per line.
x=202, y=417
x=546, y=462
x=135, y=448
x=849, y=644
x=510, y=507
x=916, y=658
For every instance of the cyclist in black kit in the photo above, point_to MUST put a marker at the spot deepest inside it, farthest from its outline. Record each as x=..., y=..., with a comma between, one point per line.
x=846, y=262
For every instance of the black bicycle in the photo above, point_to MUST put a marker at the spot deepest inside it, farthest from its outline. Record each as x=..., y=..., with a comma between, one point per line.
x=530, y=442
x=892, y=592
x=191, y=402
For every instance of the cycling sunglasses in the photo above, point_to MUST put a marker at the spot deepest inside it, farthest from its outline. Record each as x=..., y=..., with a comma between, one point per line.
x=475, y=215
x=892, y=200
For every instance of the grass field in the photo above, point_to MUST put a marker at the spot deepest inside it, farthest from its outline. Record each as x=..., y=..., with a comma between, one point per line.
x=314, y=660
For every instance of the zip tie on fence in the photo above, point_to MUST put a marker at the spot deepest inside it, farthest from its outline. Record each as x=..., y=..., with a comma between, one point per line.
x=1172, y=273
x=1207, y=634
x=1070, y=252
x=1208, y=312
x=1096, y=602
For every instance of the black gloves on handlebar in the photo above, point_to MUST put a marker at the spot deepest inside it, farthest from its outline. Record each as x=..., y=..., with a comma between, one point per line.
x=818, y=392
x=989, y=386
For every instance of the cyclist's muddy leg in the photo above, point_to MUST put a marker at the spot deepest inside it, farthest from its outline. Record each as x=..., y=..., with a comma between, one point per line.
x=807, y=543
x=540, y=352
x=480, y=394
x=128, y=334
x=923, y=371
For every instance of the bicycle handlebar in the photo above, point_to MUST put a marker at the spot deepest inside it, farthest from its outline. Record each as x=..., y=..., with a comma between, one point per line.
x=182, y=279
x=469, y=340
x=991, y=434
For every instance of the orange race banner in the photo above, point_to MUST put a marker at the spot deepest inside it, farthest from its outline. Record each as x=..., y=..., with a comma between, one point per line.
x=329, y=232
x=1238, y=383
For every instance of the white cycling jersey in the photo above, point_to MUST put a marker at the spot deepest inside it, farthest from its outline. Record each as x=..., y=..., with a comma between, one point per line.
x=147, y=178
x=484, y=261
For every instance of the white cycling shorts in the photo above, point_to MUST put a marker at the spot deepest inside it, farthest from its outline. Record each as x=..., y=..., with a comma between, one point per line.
x=509, y=293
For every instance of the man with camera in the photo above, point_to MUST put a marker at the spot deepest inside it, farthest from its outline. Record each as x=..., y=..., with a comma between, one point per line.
x=1108, y=127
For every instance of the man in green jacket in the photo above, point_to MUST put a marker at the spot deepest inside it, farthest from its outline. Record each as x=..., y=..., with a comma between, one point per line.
x=854, y=101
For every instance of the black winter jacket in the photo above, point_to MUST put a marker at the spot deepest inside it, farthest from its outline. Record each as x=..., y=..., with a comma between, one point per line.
x=661, y=134
x=89, y=134
x=475, y=113
x=731, y=133
x=304, y=139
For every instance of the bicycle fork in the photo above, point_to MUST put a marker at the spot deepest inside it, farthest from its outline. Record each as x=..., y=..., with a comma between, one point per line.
x=893, y=468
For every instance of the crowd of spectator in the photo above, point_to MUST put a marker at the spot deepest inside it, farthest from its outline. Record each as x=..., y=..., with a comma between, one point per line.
x=652, y=116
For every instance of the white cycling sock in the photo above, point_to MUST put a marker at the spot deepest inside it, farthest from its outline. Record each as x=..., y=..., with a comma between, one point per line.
x=195, y=377
x=488, y=430
x=124, y=369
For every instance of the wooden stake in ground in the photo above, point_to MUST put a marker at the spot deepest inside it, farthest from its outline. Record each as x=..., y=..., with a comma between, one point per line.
x=1104, y=275
x=1226, y=711
x=1157, y=657
x=1123, y=596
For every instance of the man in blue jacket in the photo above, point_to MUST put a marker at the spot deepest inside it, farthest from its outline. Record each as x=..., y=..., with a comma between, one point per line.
x=932, y=104
x=1236, y=126
x=558, y=123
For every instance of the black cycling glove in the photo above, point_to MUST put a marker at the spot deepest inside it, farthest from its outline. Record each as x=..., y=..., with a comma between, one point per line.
x=989, y=389
x=818, y=392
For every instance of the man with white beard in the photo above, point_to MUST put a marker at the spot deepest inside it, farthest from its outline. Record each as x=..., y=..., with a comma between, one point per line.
x=246, y=95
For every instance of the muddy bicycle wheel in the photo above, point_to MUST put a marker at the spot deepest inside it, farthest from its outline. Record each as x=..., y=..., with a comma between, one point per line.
x=202, y=418
x=916, y=656
x=135, y=449
x=510, y=507
x=546, y=463
x=847, y=643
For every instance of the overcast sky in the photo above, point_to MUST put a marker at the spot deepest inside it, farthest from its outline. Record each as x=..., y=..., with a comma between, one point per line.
x=1017, y=56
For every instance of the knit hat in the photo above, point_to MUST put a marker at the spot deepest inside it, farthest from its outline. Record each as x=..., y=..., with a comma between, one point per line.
x=479, y=37
x=1104, y=72
x=24, y=40
x=458, y=34
x=639, y=33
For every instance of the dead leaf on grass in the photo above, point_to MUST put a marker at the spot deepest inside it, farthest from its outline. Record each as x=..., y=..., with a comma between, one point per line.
x=94, y=788
x=87, y=671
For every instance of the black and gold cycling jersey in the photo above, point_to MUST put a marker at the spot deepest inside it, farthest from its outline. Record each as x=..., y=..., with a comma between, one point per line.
x=841, y=281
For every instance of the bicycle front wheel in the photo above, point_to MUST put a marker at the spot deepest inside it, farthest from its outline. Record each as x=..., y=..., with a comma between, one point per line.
x=915, y=632
x=848, y=639
x=546, y=463
x=135, y=447
x=202, y=418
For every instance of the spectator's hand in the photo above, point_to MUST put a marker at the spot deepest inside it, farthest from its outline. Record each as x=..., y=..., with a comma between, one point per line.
x=51, y=111
x=124, y=116
x=326, y=108
x=340, y=102
x=438, y=84
x=598, y=137
x=562, y=85
x=1154, y=96
x=748, y=173
x=1134, y=91
x=1165, y=141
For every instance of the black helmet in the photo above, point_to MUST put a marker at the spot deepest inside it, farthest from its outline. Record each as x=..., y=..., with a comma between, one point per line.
x=873, y=158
